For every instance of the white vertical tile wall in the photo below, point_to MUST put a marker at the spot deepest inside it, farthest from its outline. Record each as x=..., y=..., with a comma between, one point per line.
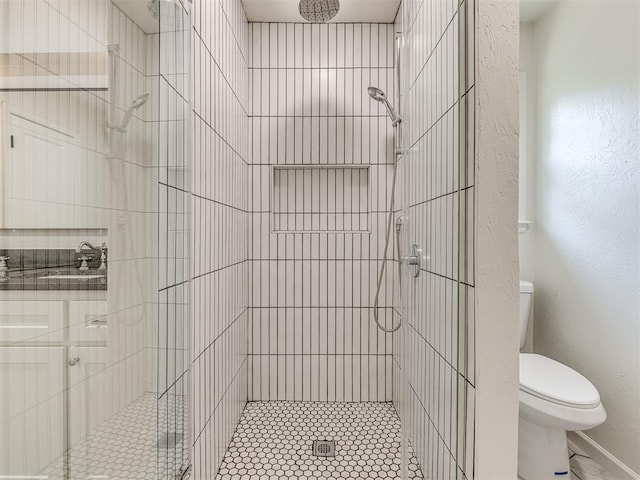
x=437, y=185
x=220, y=217
x=311, y=330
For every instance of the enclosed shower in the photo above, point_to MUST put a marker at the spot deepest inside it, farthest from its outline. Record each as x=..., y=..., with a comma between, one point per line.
x=234, y=240
x=356, y=316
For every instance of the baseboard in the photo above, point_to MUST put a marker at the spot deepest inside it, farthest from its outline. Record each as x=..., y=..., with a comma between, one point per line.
x=602, y=457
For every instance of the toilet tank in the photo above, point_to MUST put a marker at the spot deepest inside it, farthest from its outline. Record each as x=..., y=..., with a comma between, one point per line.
x=526, y=294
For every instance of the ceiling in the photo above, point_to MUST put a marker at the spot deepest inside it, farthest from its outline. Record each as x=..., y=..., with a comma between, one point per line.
x=374, y=11
x=138, y=11
x=531, y=10
x=366, y=11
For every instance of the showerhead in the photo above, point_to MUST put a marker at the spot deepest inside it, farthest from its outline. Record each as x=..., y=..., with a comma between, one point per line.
x=136, y=104
x=163, y=8
x=379, y=96
x=140, y=101
x=318, y=11
x=376, y=93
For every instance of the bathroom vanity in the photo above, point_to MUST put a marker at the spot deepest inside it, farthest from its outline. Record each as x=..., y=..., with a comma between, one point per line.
x=53, y=345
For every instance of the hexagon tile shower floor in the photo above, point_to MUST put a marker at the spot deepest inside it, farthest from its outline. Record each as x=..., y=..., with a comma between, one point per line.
x=274, y=440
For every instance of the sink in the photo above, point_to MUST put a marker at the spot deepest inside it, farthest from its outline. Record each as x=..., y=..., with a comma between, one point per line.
x=71, y=277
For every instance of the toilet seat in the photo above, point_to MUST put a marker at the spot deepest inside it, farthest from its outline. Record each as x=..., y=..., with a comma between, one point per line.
x=554, y=382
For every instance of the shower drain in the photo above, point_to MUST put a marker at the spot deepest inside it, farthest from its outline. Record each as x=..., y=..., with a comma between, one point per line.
x=169, y=440
x=324, y=448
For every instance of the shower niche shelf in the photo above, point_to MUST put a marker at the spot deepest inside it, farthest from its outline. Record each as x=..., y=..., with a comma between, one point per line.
x=320, y=199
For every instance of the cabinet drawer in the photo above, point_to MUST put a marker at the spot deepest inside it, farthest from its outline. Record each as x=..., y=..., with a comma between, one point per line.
x=34, y=321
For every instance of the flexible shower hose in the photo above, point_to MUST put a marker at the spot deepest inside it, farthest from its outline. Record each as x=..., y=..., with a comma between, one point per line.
x=384, y=255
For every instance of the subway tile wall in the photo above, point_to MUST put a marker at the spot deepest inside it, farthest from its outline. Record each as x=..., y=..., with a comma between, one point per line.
x=311, y=330
x=437, y=185
x=220, y=203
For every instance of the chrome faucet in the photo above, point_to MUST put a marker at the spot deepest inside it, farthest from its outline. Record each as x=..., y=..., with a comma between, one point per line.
x=103, y=257
x=84, y=244
x=4, y=269
x=87, y=245
x=84, y=266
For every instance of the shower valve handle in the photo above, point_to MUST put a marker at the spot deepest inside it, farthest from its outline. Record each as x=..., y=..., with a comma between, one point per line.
x=414, y=261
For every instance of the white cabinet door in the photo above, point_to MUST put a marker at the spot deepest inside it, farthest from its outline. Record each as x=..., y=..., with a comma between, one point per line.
x=31, y=411
x=90, y=406
x=31, y=321
x=89, y=392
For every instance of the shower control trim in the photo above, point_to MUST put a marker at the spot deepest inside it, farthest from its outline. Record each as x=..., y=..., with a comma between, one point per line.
x=414, y=261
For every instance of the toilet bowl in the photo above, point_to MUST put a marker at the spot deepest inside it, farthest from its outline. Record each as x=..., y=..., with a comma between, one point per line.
x=554, y=399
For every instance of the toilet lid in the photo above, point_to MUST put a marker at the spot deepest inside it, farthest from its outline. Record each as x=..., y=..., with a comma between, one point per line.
x=550, y=380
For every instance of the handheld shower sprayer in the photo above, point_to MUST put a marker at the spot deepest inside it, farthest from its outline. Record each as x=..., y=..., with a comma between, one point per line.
x=379, y=96
x=135, y=105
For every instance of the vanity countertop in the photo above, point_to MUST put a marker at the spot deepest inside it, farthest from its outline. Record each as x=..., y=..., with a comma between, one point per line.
x=50, y=270
x=55, y=279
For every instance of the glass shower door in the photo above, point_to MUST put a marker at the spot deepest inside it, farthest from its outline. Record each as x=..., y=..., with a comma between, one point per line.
x=93, y=338
x=55, y=234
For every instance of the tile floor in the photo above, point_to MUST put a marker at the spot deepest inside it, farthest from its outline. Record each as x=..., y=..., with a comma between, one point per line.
x=273, y=440
x=123, y=448
x=584, y=468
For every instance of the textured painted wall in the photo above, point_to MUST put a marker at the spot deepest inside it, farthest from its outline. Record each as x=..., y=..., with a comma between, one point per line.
x=314, y=267
x=587, y=300
x=496, y=247
x=219, y=200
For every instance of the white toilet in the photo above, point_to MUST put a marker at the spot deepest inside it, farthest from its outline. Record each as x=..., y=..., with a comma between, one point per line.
x=554, y=399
